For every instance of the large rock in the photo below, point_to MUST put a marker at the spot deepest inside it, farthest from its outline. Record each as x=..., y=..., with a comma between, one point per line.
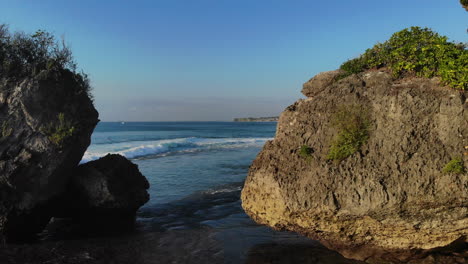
x=319, y=82
x=45, y=127
x=105, y=193
x=389, y=200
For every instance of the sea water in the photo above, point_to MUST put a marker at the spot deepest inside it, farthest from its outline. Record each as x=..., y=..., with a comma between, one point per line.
x=182, y=159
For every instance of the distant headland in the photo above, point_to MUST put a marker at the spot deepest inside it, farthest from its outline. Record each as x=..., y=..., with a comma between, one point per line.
x=257, y=119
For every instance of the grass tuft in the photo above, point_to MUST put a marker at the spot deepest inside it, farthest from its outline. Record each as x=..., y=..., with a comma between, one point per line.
x=59, y=133
x=353, y=123
x=306, y=152
x=454, y=166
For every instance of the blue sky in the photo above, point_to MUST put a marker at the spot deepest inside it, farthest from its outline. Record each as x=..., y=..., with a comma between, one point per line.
x=203, y=60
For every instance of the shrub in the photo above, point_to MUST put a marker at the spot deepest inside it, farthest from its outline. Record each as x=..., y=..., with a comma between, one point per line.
x=59, y=133
x=464, y=3
x=418, y=51
x=306, y=152
x=36, y=55
x=454, y=166
x=353, y=123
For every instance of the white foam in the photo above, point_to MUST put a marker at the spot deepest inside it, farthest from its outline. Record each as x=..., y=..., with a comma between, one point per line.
x=137, y=149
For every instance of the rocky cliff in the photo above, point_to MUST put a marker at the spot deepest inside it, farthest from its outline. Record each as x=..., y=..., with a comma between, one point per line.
x=390, y=199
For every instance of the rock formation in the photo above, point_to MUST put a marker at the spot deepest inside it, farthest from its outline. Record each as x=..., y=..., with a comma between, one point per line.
x=389, y=200
x=46, y=126
x=108, y=191
x=320, y=82
x=46, y=121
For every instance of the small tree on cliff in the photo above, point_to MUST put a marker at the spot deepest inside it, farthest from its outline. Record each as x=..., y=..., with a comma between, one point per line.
x=464, y=3
x=37, y=55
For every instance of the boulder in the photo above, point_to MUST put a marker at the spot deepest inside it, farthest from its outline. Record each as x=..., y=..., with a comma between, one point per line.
x=391, y=199
x=105, y=193
x=319, y=82
x=45, y=127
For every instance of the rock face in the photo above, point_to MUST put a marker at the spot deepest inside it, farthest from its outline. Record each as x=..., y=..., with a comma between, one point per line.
x=319, y=82
x=108, y=190
x=46, y=125
x=388, y=201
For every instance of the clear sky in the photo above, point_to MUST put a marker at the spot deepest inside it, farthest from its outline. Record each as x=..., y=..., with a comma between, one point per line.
x=177, y=60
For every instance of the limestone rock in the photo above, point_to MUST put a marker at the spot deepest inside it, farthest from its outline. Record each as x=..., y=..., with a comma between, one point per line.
x=389, y=200
x=319, y=82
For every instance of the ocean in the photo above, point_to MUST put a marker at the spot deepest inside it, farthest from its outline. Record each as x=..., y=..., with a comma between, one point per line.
x=182, y=159
x=196, y=172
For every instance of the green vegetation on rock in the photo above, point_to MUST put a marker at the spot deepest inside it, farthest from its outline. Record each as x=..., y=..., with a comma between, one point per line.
x=37, y=55
x=464, y=3
x=305, y=152
x=417, y=51
x=6, y=130
x=62, y=131
x=353, y=123
x=454, y=166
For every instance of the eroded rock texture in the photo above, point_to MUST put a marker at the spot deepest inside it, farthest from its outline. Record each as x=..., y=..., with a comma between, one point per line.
x=35, y=155
x=388, y=201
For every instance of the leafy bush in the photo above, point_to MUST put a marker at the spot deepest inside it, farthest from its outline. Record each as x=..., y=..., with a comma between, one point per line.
x=59, y=133
x=37, y=55
x=418, y=51
x=454, y=166
x=306, y=152
x=353, y=123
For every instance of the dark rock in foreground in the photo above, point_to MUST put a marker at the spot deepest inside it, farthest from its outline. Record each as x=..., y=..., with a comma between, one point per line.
x=46, y=121
x=46, y=126
x=389, y=200
x=105, y=193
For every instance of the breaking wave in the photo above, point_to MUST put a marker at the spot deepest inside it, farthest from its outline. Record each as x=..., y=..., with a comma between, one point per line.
x=137, y=149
